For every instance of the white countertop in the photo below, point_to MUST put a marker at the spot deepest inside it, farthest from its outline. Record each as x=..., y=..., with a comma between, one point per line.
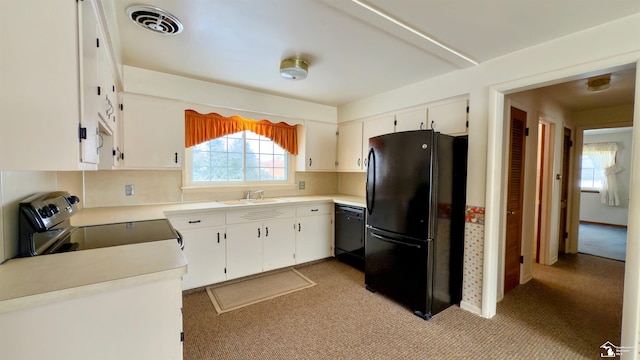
x=115, y=214
x=33, y=281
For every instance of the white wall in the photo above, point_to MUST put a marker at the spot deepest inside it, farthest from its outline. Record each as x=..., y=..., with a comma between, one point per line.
x=591, y=209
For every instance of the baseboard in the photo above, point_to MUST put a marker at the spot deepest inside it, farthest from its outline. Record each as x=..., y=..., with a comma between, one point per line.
x=603, y=224
x=470, y=308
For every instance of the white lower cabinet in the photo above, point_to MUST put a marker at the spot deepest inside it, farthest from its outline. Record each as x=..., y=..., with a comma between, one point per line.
x=314, y=232
x=244, y=250
x=224, y=245
x=205, y=250
x=278, y=244
x=204, y=240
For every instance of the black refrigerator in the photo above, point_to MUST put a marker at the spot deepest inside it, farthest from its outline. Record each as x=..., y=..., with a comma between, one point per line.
x=416, y=192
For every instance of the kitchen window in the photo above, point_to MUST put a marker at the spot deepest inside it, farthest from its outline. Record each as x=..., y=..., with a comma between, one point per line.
x=238, y=158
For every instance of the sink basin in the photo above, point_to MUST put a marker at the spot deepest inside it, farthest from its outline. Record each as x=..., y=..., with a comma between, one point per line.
x=251, y=201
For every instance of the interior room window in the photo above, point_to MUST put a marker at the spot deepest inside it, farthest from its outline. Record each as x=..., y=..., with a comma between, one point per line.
x=592, y=176
x=237, y=158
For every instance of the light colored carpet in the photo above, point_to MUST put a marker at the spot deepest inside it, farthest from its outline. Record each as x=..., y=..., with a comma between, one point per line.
x=566, y=312
x=244, y=292
x=602, y=240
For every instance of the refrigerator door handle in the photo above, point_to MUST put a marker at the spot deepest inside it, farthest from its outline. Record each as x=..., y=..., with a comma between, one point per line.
x=384, y=238
x=371, y=187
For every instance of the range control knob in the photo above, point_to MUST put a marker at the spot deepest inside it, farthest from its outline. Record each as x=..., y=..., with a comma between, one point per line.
x=54, y=209
x=46, y=212
x=73, y=199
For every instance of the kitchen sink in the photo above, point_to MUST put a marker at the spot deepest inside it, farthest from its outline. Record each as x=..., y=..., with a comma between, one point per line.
x=251, y=201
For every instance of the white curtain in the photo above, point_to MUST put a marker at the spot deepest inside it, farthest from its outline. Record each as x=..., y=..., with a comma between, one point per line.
x=603, y=156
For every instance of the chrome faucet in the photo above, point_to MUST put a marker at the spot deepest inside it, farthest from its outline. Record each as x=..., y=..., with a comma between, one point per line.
x=257, y=192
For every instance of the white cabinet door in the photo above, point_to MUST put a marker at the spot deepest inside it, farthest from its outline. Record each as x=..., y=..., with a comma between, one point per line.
x=350, y=146
x=317, y=146
x=153, y=132
x=278, y=244
x=449, y=118
x=205, y=252
x=372, y=128
x=90, y=104
x=412, y=120
x=313, y=238
x=244, y=250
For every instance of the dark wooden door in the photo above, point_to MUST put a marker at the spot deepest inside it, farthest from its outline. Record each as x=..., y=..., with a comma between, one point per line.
x=515, y=183
x=564, y=191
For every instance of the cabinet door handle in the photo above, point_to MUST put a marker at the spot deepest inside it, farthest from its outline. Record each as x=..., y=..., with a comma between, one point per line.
x=298, y=227
x=176, y=158
x=194, y=221
x=309, y=161
x=314, y=210
x=258, y=232
x=218, y=238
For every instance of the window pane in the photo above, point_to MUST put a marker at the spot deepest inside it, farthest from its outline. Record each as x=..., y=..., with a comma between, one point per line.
x=238, y=157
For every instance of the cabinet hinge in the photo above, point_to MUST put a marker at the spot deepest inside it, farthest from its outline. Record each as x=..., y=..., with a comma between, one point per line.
x=467, y=124
x=113, y=151
x=467, y=109
x=521, y=259
x=526, y=132
x=121, y=107
x=182, y=336
x=82, y=132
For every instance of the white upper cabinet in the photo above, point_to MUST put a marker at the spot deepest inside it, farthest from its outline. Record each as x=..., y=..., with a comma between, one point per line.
x=412, y=120
x=316, y=146
x=350, y=146
x=43, y=85
x=153, y=131
x=372, y=128
x=449, y=118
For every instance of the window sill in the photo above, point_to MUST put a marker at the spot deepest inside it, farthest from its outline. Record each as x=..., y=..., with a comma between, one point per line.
x=590, y=191
x=236, y=187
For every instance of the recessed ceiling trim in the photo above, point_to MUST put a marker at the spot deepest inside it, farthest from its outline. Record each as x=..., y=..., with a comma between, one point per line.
x=414, y=31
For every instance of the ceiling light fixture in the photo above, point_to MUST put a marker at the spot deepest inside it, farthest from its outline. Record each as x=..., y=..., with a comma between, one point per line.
x=417, y=32
x=598, y=83
x=294, y=69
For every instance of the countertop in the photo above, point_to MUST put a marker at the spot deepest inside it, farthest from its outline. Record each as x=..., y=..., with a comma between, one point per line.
x=39, y=280
x=115, y=214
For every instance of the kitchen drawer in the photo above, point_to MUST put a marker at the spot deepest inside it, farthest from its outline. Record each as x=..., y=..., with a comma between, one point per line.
x=197, y=220
x=314, y=209
x=259, y=213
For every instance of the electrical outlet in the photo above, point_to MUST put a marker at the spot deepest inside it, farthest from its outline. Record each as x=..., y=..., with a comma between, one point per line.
x=300, y=185
x=128, y=190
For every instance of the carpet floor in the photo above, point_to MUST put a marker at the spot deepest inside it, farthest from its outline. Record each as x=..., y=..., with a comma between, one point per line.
x=602, y=240
x=566, y=312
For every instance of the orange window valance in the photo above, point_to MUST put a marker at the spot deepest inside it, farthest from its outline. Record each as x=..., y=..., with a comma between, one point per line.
x=204, y=127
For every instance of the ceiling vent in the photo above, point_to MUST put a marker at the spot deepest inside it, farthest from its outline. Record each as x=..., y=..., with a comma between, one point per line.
x=154, y=19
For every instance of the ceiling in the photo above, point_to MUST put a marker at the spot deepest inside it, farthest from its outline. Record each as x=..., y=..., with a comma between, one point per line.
x=352, y=52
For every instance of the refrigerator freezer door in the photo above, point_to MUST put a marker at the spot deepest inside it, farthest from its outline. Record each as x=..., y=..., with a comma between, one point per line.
x=399, y=182
x=399, y=268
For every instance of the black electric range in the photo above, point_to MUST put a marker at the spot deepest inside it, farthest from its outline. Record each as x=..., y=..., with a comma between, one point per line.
x=45, y=228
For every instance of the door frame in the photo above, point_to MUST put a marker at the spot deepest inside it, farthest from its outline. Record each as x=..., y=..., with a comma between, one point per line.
x=495, y=211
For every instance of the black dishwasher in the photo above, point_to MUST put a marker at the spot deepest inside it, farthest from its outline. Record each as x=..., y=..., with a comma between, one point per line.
x=349, y=234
